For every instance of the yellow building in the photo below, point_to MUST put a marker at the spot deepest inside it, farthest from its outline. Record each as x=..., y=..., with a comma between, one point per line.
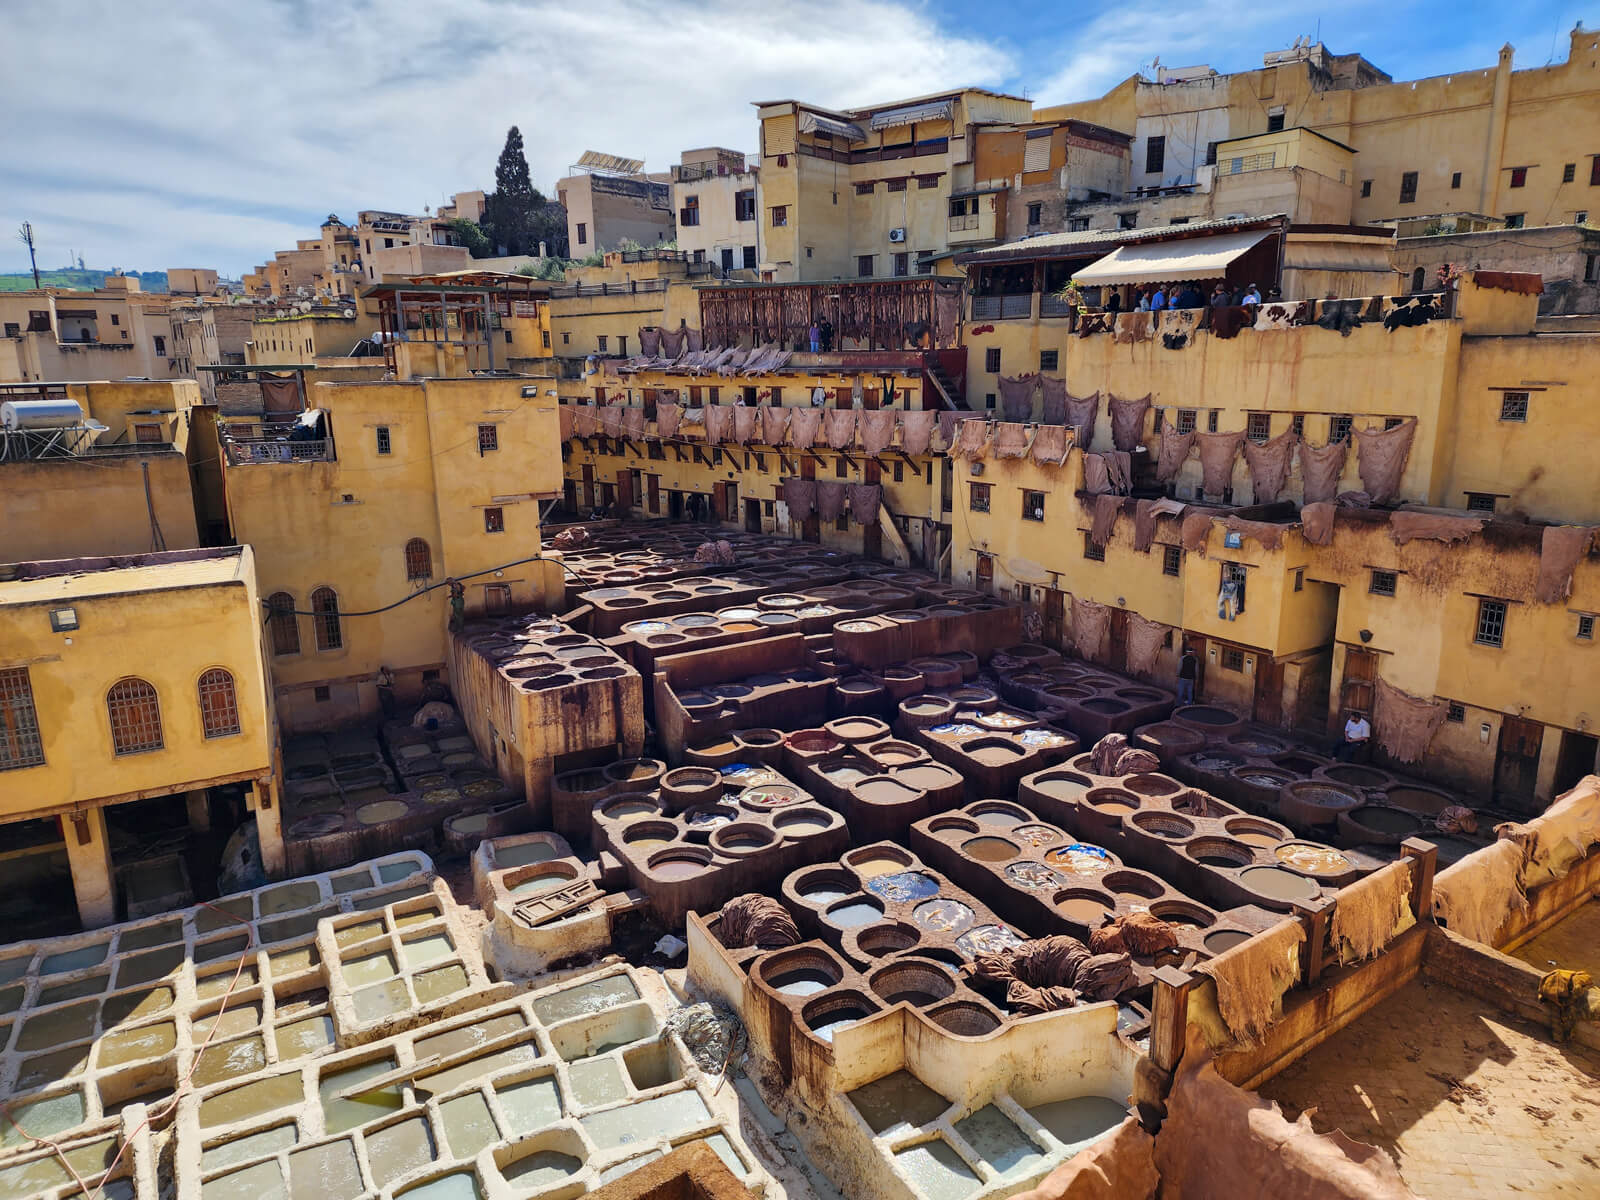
x=716, y=196
x=1494, y=141
x=871, y=192
x=408, y=484
x=114, y=708
x=112, y=332
x=599, y=310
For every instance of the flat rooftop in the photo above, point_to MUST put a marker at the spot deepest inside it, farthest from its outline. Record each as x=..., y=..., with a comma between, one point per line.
x=49, y=581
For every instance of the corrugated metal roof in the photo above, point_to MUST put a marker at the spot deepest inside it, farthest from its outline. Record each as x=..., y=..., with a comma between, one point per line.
x=1157, y=262
x=1046, y=245
x=936, y=110
x=811, y=122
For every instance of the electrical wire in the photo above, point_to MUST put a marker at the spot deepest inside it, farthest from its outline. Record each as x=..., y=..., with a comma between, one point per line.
x=372, y=612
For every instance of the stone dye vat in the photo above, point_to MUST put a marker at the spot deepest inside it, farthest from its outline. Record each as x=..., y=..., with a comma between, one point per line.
x=573, y=794
x=992, y=748
x=507, y=871
x=705, y=694
x=1045, y=881
x=215, y=994
x=619, y=605
x=556, y=697
x=976, y=624
x=748, y=827
x=879, y=786
x=548, y=1091
x=1089, y=700
x=1208, y=849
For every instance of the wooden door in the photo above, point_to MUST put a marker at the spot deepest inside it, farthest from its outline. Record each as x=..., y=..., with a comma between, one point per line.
x=1269, y=690
x=1119, y=640
x=1577, y=758
x=985, y=576
x=654, y=488
x=1356, y=690
x=1516, y=762
x=872, y=538
x=569, y=494
x=625, y=488
x=588, y=488
x=1055, y=618
x=811, y=527
x=752, y=516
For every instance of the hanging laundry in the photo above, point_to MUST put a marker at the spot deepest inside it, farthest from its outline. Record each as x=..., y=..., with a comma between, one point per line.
x=1228, y=600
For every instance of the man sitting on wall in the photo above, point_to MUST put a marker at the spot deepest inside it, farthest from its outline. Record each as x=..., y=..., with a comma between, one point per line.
x=1357, y=738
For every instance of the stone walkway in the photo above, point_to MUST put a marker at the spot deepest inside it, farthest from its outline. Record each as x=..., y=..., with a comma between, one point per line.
x=1574, y=943
x=1469, y=1101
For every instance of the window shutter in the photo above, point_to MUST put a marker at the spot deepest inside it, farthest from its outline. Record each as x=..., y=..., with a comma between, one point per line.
x=1036, y=155
x=780, y=135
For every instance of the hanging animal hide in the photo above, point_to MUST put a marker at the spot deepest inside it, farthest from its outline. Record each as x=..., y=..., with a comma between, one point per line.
x=803, y=426
x=717, y=419
x=971, y=438
x=1090, y=621
x=1127, y=422
x=1082, y=413
x=611, y=421
x=876, y=428
x=831, y=495
x=745, y=421
x=1381, y=459
x=1196, y=529
x=1269, y=466
x=1145, y=639
x=1174, y=452
x=1404, y=724
x=1217, y=452
x=774, y=421
x=1106, y=511
x=1010, y=440
x=1053, y=400
x=1560, y=548
x=1316, y=522
x=633, y=424
x=839, y=427
x=1096, y=477
x=566, y=416
x=1408, y=525
x=667, y=418
x=1050, y=445
x=649, y=341
x=1016, y=396
x=1321, y=468
x=1269, y=535
x=672, y=342
x=801, y=497
x=865, y=501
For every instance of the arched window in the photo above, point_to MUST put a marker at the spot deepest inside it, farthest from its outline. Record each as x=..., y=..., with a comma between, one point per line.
x=419, y=560
x=325, y=606
x=283, y=623
x=219, y=707
x=135, y=716
x=1419, y=279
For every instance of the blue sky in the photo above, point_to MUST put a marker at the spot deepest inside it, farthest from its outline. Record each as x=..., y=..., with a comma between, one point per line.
x=183, y=133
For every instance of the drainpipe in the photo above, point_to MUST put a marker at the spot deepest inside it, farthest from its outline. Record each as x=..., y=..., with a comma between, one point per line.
x=1495, y=145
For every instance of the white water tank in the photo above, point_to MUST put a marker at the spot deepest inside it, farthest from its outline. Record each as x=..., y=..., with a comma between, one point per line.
x=40, y=414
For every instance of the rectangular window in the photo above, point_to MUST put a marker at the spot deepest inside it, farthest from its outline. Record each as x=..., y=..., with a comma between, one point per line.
x=147, y=434
x=927, y=181
x=1298, y=424
x=1092, y=552
x=894, y=185
x=1585, y=627
x=1128, y=220
x=1032, y=505
x=864, y=265
x=488, y=438
x=1155, y=155
x=1299, y=579
x=1258, y=426
x=1211, y=421
x=899, y=471
x=622, y=343
x=1491, y=623
x=544, y=336
x=689, y=214
x=1515, y=220
x=321, y=694
x=385, y=445
x=1569, y=172
x=902, y=263
x=1383, y=583
x=161, y=346
x=1366, y=188
x=600, y=343
x=1234, y=573
x=1408, y=188
x=744, y=205
x=842, y=524
x=20, y=744
x=1035, y=213
x=494, y=520
x=1232, y=658
x=1480, y=502
x=1455, y=712
x=841, y=468
x=1339, y=427
x=1077, y=224
x=780, y=215
x=1519, y=176
x=1274, y=122
x=1211, y=154
x=991, y=360
x=1591, y=268
x=866, y=189
x=749, y=258
x=583, y=234
x=988, y=400
x=1048, y=359
x=1514, y=406
x=1594, y=171
x=1171, y=560
x=1186, y=420
x=980, y=497
x=1455, y=181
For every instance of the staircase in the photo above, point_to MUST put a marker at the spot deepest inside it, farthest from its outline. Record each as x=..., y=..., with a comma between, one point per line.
x=945, y=388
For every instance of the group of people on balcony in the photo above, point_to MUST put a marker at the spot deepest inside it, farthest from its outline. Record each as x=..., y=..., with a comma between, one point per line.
x=1153, y=297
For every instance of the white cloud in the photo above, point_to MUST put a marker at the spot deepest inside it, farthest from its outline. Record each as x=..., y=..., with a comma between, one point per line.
x=215, y=134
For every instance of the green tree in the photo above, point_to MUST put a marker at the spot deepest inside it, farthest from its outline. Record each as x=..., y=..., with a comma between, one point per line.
x=469, y=234
x=517, y=215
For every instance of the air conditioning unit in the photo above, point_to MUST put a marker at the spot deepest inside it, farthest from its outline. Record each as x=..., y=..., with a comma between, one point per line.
x=976, y=468
x=897, y=235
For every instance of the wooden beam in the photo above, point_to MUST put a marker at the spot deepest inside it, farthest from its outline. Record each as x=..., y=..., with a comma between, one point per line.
x=911, y=462
x=854, y=466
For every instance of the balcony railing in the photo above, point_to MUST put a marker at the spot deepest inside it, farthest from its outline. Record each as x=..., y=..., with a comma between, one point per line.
x=277, y=450
x=963, y=222
x=1002, y=308
x=1051, y=305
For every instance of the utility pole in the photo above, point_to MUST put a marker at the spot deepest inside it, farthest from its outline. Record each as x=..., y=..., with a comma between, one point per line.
x=25, y=236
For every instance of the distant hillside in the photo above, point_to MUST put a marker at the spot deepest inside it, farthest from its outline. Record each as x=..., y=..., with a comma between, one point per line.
x=87, y=280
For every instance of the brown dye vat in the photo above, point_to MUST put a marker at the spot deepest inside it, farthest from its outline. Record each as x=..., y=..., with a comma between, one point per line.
x=1000, y=816
x=1132, y=883
x=990, y=849
x=1205, y=716
x=1164, y=825
x=884, y=789
x=1224, y=939
x=880, y=940
x=1151, y=785
x=892, y=753
x=1062, y=785
x=1085, y=908
x=871, y=863
x=953, y=824
x=650, y=833
x=1277, y=884
x=801, y=821
x=857, y=729
x=1219, y=852
x=677, y=864
x=1115, y=802
x=915, y=983
x=742, y=838
x=1390, y=823
x=1429, y=802
x=965, y=1019
x=1356, y=776
x=630, y=809
x=1180, y=912
x=990, y=752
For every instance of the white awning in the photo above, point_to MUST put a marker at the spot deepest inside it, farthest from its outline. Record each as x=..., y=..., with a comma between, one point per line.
x=1161, y=262
x=937, y=110
x=811, y=122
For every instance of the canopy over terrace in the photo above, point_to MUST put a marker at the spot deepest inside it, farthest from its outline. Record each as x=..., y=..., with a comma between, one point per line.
x=461, y=311
x=1161, y=262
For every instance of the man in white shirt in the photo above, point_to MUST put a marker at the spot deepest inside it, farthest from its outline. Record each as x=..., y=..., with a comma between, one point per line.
x=1357, y=738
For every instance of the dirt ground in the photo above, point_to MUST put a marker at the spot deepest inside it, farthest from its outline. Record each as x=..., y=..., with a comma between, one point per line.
x=1470, y=1102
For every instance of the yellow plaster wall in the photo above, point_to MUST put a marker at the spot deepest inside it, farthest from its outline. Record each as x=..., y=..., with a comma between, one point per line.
x=77, y=507
x=150, y=634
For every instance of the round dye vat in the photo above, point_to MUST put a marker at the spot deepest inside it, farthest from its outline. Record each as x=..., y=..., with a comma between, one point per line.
x=1041, y=739
x=710, y=818
x=803, y=982
x=853, y=913
x=629, y=810
x=1088, y=911
x=1224, y=939
x=884, y=790
x=1080, y=859
x=1036, y=835
x=823, y=893
x=988, y=939
x=843, y=776
x=1034, y=875
x=1002, y=720
x=1278, y=884
x=903, y=887
x=990, y=849
x=856, y=626
x=928, y=776
x=871, y=865
x=996, y=754
x=1261, y=841
x=955, y=731
x=1391, y=821
x=804, y=820
x=1000, y=818
x=1112, y=801
x=378, y=813
x=1312, y=858
x=944, y=916
x=770, y=797
x=672, y=866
